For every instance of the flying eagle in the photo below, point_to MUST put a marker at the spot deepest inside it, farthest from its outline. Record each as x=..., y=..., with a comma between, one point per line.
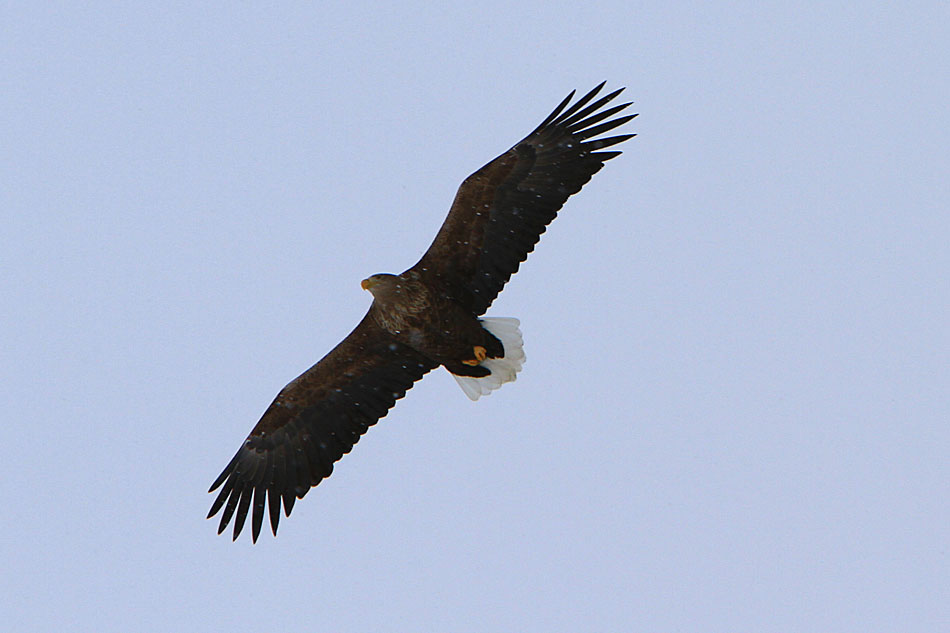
x=428, y=316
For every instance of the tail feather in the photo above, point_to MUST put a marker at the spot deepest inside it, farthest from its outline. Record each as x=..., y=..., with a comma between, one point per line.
x=503, y=369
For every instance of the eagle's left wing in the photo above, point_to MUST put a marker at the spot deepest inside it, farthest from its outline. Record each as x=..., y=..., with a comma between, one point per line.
x=501, y=210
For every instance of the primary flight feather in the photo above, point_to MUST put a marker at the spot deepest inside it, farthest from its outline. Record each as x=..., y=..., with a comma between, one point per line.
x=428, y=316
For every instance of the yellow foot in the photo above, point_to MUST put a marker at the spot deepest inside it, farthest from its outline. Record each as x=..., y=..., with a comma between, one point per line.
x=480, y=354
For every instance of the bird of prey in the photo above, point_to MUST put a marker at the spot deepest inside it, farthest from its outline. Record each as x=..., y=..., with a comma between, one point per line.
x=430, y=315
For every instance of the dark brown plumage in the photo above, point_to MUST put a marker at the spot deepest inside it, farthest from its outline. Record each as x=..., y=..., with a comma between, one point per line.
x=426, y=317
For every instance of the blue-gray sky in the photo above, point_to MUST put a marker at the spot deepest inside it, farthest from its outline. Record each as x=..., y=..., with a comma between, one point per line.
x=734, y=414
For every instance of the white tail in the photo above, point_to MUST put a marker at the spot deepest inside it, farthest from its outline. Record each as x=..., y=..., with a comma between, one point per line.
x=502, y=369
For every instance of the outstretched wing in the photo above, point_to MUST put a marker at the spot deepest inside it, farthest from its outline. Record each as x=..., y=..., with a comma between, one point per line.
x=312, y=423
x=501, y=210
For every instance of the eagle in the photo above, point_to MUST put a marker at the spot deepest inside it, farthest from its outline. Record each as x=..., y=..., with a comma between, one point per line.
x=430, y=315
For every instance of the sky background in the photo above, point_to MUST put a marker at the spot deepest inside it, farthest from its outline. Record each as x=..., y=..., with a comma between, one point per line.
x=734, y=414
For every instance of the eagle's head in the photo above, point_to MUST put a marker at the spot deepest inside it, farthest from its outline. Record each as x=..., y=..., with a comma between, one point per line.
x=384, y=286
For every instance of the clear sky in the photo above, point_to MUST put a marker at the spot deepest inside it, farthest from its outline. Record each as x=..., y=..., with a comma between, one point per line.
x=734, y=414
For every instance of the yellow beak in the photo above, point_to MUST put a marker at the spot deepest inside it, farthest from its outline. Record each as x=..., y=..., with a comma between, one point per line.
x=366, y=284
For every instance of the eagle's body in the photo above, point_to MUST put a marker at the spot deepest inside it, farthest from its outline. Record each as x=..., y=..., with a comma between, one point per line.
x=430, y=315
x=430, y=322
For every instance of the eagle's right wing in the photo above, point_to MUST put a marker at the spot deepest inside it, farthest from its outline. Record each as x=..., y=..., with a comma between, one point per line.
x=313, y=422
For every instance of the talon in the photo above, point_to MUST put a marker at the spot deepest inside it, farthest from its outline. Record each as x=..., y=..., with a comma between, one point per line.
x=480, y=354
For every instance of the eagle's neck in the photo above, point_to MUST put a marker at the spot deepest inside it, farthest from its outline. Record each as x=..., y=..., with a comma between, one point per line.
x=398, y=301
